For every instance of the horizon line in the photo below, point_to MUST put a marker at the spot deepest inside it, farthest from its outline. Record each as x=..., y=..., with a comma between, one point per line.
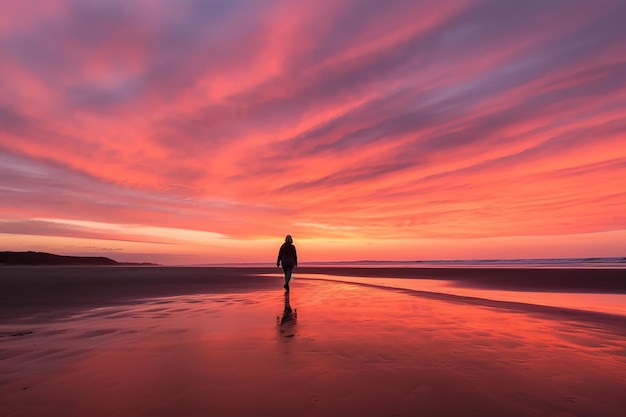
x=583, y=259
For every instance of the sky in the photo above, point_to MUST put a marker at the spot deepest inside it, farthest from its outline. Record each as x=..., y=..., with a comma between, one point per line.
x=204, y=131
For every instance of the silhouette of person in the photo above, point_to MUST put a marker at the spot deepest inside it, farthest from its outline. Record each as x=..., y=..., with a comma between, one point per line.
x=288, y=258
x=287, y=322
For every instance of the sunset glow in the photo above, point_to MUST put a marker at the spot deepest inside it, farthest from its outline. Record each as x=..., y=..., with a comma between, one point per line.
x=194, y=131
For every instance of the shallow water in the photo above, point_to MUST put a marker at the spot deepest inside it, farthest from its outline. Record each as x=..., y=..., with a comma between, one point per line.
x=605, y=303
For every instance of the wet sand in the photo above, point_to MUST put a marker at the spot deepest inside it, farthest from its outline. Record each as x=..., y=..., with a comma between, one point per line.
x=197, y=342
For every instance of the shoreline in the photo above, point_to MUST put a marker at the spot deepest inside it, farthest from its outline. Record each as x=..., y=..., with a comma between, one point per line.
x=28, y=289
x=528, y=279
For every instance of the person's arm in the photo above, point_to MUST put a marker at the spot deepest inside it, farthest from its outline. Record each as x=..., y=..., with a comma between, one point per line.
x=295, y=256
x=280, y=253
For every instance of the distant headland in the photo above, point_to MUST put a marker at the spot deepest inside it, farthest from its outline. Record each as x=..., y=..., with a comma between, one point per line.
x=42, y=258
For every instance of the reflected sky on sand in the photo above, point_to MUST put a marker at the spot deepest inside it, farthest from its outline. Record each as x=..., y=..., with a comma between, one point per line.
x=355, y=350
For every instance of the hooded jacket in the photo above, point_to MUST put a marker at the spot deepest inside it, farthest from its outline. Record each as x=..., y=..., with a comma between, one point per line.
x=287, y=255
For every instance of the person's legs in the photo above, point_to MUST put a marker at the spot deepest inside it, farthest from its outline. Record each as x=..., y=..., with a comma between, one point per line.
x=287, y=270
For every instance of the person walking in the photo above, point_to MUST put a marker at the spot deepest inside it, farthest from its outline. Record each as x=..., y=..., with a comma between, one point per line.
x=288, y=258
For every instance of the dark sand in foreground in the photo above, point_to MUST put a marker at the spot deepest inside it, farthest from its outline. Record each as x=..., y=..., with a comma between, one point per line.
x=209, y=341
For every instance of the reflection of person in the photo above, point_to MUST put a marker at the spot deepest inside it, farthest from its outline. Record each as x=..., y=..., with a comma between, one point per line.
x=288, y=258
x=288, y=321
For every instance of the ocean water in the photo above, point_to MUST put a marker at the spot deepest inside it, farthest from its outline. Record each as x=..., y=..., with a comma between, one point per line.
x=614, y=262
x=601, y=262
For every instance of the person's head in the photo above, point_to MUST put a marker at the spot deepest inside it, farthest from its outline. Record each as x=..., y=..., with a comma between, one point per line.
x=288, y=239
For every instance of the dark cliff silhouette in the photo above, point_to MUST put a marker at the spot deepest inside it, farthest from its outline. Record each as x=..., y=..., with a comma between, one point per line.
x=42, y=258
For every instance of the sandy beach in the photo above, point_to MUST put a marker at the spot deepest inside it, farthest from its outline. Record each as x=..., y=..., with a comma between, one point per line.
x=229, y=342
